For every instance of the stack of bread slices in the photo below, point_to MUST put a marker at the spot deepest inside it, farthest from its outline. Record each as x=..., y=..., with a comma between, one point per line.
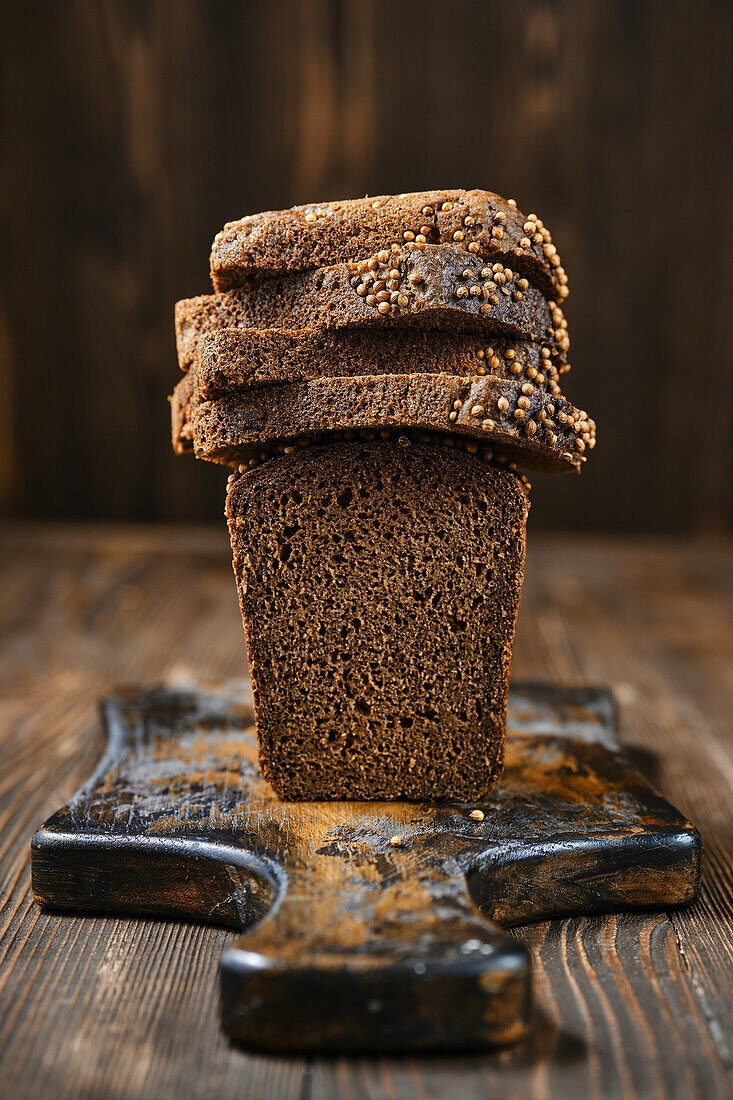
x=380, y=373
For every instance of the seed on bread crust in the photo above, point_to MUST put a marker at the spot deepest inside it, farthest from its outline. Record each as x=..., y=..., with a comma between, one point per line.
x=305, y=237
x=230, y=428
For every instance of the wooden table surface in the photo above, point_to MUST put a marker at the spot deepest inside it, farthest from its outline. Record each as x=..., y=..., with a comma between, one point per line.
x=628, y=1006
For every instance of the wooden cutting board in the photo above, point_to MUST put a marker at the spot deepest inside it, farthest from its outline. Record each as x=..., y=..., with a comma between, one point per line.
x=371, y=926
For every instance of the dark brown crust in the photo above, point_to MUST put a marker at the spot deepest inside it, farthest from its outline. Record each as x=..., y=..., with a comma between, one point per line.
x=322, y=234
x=228, y=359
x=182, y=416
x=432, y=290
x=235, y=428
x=376, y=710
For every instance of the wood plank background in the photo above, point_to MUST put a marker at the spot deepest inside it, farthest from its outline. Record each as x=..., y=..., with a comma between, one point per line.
x=132, y=129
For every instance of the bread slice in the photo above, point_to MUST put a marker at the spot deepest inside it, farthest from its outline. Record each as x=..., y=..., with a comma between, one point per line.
x=379, y=588
x=319, y=235
x=228, y=359
x=523, y=424
x=424, y=287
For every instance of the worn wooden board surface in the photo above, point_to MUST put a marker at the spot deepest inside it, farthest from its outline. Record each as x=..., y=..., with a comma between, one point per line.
x=637, y=1005
x=377, y=925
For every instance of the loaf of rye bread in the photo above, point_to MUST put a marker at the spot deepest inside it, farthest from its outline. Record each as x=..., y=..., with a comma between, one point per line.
x=227, y=359
x=322, y=234
x=522, y=424
x=379, y=587
x=426, y=287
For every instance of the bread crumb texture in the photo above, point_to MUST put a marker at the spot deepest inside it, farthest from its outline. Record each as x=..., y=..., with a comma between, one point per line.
x=379, y=586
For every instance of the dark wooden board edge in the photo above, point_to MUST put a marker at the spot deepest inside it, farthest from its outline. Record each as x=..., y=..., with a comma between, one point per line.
x=386, y=1009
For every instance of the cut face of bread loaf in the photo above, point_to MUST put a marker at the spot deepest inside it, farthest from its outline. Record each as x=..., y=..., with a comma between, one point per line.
x=321, y=234
x=379, y=587
x=522, y=424
x=423, y=287
x=228, y=359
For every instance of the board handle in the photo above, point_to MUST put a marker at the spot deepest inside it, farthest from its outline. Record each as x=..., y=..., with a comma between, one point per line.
x=384, y=955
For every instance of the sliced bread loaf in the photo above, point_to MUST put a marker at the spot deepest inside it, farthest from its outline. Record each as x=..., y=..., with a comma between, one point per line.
x=523, y=424
x=228, y=359
x=319, y=235
x=379, y=588
x=426, y=287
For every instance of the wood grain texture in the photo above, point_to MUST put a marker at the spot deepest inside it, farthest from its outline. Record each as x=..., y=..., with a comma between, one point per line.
x=628, y=1006
x=132, y=131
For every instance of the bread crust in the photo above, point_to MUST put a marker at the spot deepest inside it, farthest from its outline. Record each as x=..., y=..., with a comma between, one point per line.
x=534, y=430
x=424, y=287
x=322, y=234
x=228, y=359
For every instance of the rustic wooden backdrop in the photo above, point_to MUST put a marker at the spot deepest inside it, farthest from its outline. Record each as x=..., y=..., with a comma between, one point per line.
x=132, y=129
